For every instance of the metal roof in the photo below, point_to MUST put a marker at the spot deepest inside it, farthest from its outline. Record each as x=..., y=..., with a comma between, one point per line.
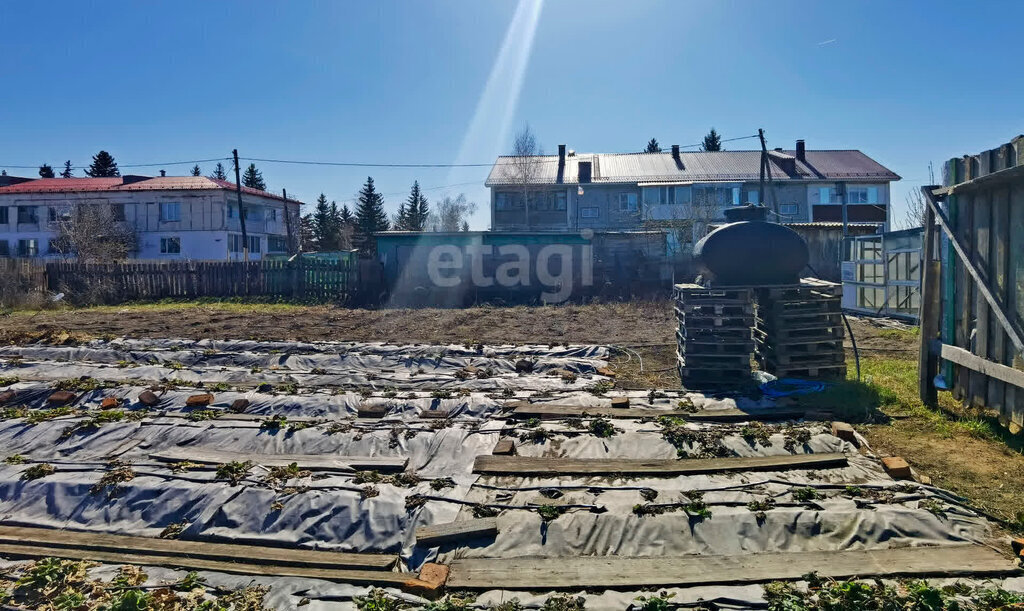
x=159, y=183
x=695, y=166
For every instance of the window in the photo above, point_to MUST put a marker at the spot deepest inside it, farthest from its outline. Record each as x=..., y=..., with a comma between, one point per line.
x=716, y=195
x=548, y=200
x=508, y=201
x=254, y=243
x=170, y=246
x=4, y=218
x=27, y=214
x=862, y=195
x=589, y=213
x=52, y=213
x=231, y=211
x=660, y=196
x=276, y=243
x=753, y=197
x=170, y=212
x=5, y=248
x=235, y=243
x=828, y=195
x=628, y=202
x=117, y=211
x=271, y=214
x=28, y=248
x=789, y=209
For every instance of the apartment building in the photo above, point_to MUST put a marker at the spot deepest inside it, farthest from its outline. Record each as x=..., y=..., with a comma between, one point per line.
x=174, y=217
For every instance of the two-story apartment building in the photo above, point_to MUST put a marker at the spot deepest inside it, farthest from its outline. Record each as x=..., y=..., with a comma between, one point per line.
x=628, y=191
x=174, y=217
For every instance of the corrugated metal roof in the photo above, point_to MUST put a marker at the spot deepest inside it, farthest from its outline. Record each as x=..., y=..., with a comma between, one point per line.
x=696, y=166
x=159, y=183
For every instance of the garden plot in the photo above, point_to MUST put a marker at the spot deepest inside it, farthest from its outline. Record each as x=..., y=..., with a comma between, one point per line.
x=349, y=447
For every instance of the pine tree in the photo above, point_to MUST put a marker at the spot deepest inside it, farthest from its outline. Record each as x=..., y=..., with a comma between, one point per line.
x=196, y=171
x=45, y=171
x=465, y=225
x=323, y=224
x=416, y=209
x=370, y=216
x=712, y=142
x=307, y=234
x=653, y=146
x=68, y=172
x=103, y=166
x=219, y=173
x=253, y=178
x=347, y=220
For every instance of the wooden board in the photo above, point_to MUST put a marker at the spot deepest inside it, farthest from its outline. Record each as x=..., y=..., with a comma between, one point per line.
x=227, y=552
x=555, y=412
x=620, y=572
x=983, y=366
x=523, y=465
x=314, y=462
x=435, y=534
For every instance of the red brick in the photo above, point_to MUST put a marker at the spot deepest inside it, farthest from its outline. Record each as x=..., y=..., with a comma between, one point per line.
x=604, y=371
x=430, y=583
x=620, y=402
x=1018, y=546
x=61, y=397
x=199, y=400
x=108, y=403
x=845, y=432
x=148, y=398
x=897, y=468
x=504, y=447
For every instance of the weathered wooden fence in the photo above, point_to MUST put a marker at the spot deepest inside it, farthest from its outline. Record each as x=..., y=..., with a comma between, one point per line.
x=972, y=306
x=301, y=279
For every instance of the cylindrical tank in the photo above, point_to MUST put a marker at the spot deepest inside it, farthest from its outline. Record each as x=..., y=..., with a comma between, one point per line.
x=751, y=251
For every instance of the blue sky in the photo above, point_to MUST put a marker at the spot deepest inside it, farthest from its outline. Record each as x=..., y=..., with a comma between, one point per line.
x=405, y=81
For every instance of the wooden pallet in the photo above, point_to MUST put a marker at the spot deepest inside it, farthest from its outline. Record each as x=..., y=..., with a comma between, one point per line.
x=714, y=334
x=714, y=346
x=803, y=359
x=804, y=333
x=716, y=309
x=695, y=293
x=728, y=322
x=808, y=288
x=819, y=346
x=817, y=372
x=801, y=319
x=803, y=305
x=714, y=361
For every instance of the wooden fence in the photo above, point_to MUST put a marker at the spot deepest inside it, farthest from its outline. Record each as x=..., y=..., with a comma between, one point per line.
x=301, y=279
x=972, y=306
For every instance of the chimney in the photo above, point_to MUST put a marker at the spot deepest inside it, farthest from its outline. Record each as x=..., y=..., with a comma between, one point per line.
x=801, y=152
x=163, y=172
x=584, y=172
x=675, y=156
x=561, y=163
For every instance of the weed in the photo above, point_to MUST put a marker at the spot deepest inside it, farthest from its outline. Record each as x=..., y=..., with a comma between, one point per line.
x=175, y=365
x=379, y=600
x=760, y=507
x=283, y=474
x=38, y=471
x=932, y=506
x=564, y=602
x=602, y=427
x=8, y=380
x=484, y=511
x=14, y=459
x=204, y=414
x=37, y=416
x=234, y=471
x=190, y=581
x=318, y=371
x=173, y=530
x=806, y=495
x=368, y=492
x=111, y=480
x=649, y=494
x=550, y=512
x=442, y=482
x=274, y=424
x=655, y=603
x=601, y=387
x=441, y=394
x=184, y=465
x=452, y=602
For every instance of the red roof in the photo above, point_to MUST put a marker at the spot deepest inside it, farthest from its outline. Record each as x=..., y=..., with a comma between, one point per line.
x=159, y=183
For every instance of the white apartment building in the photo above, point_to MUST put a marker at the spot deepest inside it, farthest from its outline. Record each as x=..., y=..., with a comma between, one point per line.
x=175, y=217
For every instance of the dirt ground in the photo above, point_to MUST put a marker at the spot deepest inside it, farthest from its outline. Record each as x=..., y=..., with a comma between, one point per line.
x=963, y=451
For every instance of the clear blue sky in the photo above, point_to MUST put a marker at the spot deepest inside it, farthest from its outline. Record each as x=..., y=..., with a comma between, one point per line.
x=411, y=82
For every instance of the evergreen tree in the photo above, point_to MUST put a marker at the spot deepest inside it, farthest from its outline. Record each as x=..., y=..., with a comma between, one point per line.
x=712, y=142
x=219, y=173
x=307, y=234
x=370, y=216
x=347, y=220
x=196, y=171
x=401, y=218
x=103, y=166
x=253, y=178
x=67, y=173
x=416, y=209
x=653, y=146
x=323, y=224
x=465, y=225
x=45, y=171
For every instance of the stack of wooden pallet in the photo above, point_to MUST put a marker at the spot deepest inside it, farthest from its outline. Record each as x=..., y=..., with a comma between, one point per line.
x=799, y=330
x=714, y=336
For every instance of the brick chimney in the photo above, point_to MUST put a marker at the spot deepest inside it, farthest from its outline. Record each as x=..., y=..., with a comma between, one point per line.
x=561, y=163
x=675, y=156
x=801, y=151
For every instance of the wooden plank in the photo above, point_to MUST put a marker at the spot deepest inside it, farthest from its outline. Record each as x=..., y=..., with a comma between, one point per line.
x=982, y=218
x=314, y=462
x=355, y=576
x=549, y=411
x=435, y=534
x=984, y=366
x=532, y=573
x=522, y=465
x=228, y=552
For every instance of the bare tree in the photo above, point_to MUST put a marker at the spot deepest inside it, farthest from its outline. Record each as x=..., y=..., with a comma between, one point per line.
x=523, y=168
x=450, y=214
x=916, y=206
x=94, y=233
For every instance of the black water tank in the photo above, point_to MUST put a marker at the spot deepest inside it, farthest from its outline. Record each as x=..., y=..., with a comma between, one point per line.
x=750, y=251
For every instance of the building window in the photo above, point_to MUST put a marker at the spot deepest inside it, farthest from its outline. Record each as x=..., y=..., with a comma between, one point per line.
x=716, y=195
x=170, y=212
x=271, y=214
x=627, y=202
x=27, y=215
x=589, y=213
x=662, y=196
x=277, y=243
x=549, y=200
x=5, y=248
x=862, y=195
x=4, y=218
x=235, y=243
x=753, y=197
x=52, y=214
x=170, y=246
x=508, y=201
x=789, y=209
x=117, y=211
x=254, y=243
x=28, y=248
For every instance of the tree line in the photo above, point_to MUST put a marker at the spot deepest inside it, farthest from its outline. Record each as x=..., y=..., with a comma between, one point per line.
x=712, y=142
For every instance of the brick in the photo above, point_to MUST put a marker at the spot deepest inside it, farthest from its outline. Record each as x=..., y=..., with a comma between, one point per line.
x=7, y=396
x=148, y=398
x=620, y=402
x=844, y=431
x=373, y=411
x=924, y=479
x=199, y=400
x=1018, y=546
x=108, y=403
x=239, y=405
x=524, y=366
x=61, y=397
x=504, y=447
x=896, y=467
x=431, y=580
x=604, y=371
x=435, y=414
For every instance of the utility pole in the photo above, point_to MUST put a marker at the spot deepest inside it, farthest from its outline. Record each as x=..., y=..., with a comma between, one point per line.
x=287, y=220
x=241, y=210
x=841, y=187
x=764, y=160
x=766, y=165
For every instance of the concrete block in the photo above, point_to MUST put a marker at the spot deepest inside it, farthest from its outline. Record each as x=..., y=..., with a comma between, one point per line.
x=199, y=400
x=844, y=431
x=108, y=403
x=896, y=467
x=620, y=402
x=61, y=397
x=148, y=398
x=239, y=405
x=504, y=447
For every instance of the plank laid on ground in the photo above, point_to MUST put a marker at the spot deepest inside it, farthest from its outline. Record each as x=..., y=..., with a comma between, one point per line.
x=356, y=576
x=727, y=414
x=315, y=462
x=228, y=552
x=435, y=534
x=522, y=465
x=613, y=572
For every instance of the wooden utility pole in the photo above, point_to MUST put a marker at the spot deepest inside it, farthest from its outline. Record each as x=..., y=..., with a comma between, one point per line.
x=841, y=187
x=287, y=220
x=764, y=160
x=928, y=362
x=241, y=209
